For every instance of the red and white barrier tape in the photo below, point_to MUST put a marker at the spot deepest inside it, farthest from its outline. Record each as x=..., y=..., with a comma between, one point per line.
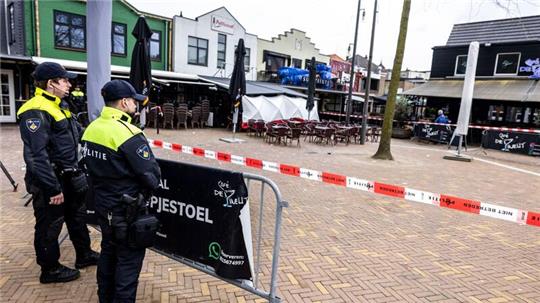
x=507, y=129
x=441, y=200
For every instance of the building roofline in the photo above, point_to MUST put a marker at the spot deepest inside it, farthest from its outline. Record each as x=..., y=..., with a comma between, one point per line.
x=222, y=7
x=498, y=20
x=129, y=5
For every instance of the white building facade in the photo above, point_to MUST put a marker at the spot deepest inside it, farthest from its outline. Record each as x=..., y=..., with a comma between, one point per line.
x=205, y=45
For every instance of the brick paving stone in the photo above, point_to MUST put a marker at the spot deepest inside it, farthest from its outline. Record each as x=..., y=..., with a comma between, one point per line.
x=338, y=244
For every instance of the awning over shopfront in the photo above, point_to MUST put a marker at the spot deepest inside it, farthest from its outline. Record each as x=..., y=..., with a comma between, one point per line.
x=256, y=88
x=355, y=96
x=162, y=77
x=525, y=90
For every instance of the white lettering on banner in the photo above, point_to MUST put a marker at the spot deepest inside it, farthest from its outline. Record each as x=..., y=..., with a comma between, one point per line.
x=235, y=260
x=187, y=149
x=310, y=174
x=210, y=154
x=163, y=184
x=238, y=160
x=270, y=166
x=422, y=196
x=499, y=212
x=360, y=184
x=504, y=139
x=187, y=210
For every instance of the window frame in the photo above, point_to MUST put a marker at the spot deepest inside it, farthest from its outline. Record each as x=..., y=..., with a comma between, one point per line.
x=112, y=39
x=159, y=43
x=497, y=62
x=248, y=55
x=224, y=51
x=83, y=27
x=11, y=23
x=197, y=53
x=456, y=66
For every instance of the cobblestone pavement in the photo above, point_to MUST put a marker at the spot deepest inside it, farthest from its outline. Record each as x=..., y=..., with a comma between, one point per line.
x=338, y=244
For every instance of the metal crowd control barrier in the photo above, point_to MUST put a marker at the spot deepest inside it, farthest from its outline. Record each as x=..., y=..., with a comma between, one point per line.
x=271, y=295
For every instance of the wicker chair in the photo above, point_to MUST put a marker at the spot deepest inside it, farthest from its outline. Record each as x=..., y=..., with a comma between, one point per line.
x=196, y=114
x=181, y=115
x=205, y=105
x=168, y=115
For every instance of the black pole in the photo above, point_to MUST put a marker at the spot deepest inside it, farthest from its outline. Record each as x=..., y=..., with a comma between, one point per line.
x=13, y=183
x=368, y=81
x=351, y=78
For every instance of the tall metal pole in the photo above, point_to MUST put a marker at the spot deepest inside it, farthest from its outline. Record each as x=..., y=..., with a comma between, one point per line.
x=351, y=78
x=368, y=81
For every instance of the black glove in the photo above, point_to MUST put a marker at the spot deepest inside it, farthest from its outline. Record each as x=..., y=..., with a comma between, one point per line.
x=79, y=182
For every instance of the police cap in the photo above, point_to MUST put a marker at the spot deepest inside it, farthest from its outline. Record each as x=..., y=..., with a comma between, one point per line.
x=118, y=89
x=51, y=70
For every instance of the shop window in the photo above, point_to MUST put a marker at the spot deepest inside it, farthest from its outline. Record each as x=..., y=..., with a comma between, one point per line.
x=507, y=64
x=514, y=114
x=461, y=65
x=118, y=39
x=496, y=113
x=197, y=51
x=155, y=46
x=69, y=30
x=247, y=59
x=221, y=50
x=296, y=63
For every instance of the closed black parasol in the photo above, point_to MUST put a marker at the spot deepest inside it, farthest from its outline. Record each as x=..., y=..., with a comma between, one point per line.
x=237, y=86
x=310, y=103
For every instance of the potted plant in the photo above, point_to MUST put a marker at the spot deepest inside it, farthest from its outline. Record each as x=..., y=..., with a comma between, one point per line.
x=402, y=114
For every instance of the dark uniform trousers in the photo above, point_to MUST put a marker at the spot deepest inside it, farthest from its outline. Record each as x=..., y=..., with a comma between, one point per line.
x=118, y=267
x=49, y=221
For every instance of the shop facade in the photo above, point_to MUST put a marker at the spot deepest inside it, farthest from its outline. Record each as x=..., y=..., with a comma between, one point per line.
x=290, y=49
x=206, y=45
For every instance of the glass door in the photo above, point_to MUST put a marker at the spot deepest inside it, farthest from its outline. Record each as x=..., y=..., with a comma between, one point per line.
x=7, y=96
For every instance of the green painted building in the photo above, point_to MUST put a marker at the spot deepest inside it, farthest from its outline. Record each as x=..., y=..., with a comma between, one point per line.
x=57, y=29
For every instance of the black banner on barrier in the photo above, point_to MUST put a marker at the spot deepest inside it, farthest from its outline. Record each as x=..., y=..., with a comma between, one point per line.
x=513, y=142
x=436, y=133
x=205, y=217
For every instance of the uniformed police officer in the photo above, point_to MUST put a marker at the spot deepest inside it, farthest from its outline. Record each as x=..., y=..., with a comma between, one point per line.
x=51, y=136
x=119, y=161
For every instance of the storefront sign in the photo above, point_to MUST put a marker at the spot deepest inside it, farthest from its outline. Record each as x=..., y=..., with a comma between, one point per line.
x=435, y=133
x=512, y=142
x=222, y=24
x=531, y=66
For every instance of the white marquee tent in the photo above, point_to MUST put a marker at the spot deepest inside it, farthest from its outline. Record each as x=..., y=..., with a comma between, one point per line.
x=269, y=108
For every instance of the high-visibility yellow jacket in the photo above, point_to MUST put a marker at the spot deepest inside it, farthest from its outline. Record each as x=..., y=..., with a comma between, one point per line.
x=118, y=159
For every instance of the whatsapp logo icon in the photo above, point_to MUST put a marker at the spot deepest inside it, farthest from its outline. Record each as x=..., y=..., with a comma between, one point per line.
x=213, y=250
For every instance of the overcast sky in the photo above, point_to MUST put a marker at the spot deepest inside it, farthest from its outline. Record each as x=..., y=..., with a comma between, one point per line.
x=330, y=24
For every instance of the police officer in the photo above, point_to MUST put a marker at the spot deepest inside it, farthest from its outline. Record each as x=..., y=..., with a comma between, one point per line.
x=51, y=136
x=119, y=161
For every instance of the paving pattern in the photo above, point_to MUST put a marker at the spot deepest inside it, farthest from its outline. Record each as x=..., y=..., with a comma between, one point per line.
x=338, y=244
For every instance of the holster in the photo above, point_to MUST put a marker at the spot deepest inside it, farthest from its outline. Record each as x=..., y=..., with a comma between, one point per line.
x=140, y=226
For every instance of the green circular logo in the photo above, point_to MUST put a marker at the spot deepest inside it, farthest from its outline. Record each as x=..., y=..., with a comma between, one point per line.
x=213, y=250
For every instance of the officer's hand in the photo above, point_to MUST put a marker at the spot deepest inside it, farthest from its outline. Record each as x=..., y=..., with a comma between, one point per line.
x=57, y=200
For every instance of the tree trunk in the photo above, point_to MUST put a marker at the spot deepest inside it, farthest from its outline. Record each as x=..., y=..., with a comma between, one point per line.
x=384, y=146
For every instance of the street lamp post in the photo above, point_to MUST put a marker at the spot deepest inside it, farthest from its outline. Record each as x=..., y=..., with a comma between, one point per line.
x=368, y=80
x=351, y=80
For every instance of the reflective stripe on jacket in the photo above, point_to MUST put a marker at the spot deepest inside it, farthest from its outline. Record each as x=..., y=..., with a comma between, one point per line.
x=118, y=158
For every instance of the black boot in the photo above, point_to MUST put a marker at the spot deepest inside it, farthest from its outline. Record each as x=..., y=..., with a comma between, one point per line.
x=90, y=258
x=59, y=274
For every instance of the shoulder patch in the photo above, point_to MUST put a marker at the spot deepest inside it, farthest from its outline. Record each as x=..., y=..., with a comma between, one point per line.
x=144, y=152
x=33, y=124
